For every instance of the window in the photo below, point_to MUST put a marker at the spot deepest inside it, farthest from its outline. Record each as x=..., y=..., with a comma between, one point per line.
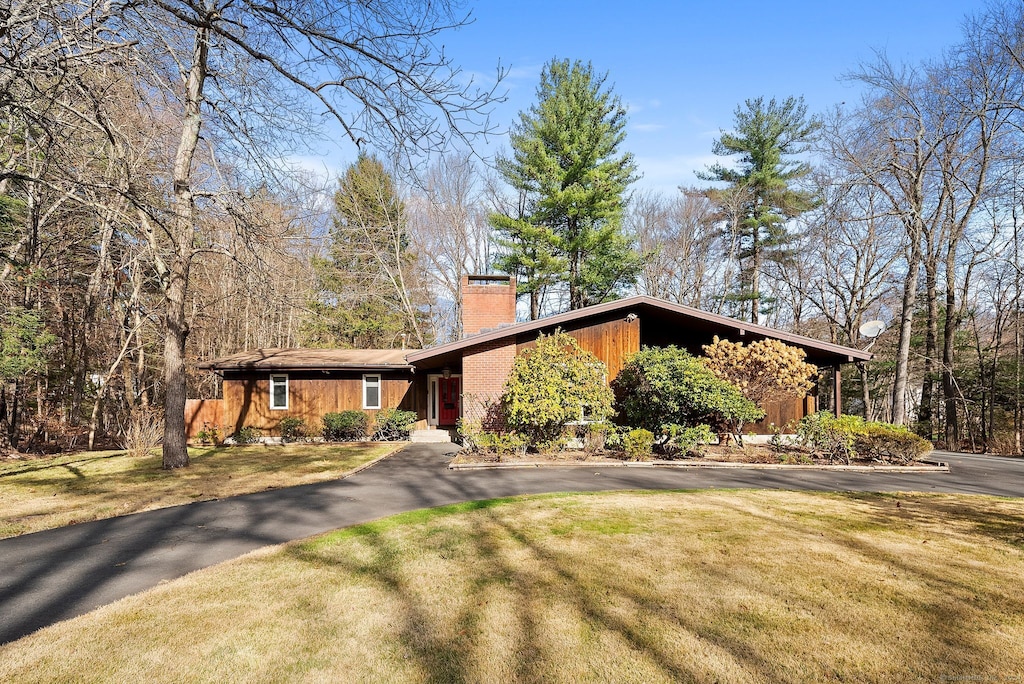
x=371, y=391
x=279, y=392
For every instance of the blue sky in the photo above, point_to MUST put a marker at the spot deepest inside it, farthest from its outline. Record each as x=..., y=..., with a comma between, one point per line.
x=682, y=68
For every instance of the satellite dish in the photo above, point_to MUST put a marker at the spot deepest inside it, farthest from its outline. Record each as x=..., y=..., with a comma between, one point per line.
x=872, y=329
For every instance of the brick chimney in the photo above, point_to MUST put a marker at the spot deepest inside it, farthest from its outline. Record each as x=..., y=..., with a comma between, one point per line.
x=488, y=302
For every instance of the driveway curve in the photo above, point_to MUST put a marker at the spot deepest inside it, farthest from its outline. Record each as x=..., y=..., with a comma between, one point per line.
x=50, y=576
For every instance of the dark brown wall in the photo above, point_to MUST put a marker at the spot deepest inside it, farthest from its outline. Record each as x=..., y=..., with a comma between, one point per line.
x=310, y=396
x=781, y=414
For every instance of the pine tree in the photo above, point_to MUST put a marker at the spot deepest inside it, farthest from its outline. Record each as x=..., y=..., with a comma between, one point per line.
x=367, y=294
x=572, y=179
x=767, y=136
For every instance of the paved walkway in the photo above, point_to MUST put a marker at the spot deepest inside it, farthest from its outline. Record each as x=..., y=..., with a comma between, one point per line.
x=54, y=575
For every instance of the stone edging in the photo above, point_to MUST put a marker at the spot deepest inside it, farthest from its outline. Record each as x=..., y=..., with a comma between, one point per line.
x=935, y=467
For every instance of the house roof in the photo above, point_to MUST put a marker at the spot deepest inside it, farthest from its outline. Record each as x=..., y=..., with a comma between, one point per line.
x=312, y=359
x=673, y=321
x=670, y=315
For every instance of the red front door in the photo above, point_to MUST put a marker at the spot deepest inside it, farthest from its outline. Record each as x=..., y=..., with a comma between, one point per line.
x=448, y=391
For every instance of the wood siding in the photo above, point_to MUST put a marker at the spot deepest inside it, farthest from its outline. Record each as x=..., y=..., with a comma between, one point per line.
x=781, y=414
x=311, y=395
x=612, y=341
x=203, y=413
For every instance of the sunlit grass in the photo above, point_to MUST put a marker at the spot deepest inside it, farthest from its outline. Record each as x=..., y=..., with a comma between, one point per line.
x=40, y=494
x=625, y=587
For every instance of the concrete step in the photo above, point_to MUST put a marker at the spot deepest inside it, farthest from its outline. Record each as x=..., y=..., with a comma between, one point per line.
x=435, y=435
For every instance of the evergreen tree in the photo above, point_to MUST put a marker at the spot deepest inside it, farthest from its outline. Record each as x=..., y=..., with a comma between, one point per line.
x=367, y=294
x=767, y=136
x=571, y=177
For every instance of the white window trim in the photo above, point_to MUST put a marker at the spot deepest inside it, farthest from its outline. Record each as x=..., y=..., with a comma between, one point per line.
x=432, y=399
x=380, y=389
x=287, y=394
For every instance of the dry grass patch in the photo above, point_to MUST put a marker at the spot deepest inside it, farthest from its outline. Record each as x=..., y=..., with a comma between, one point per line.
x=642, y=587
x=40, y=494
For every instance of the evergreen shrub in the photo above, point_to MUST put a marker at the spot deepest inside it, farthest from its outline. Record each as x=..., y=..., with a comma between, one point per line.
x=347, y=426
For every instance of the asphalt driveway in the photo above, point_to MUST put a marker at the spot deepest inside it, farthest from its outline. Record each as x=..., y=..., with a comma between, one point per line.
x=57, y=574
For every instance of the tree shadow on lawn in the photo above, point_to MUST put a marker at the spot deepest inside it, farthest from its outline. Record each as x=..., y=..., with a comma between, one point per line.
x=637, y=611
x=447, y=653
x=206, y=465
x=48, y=462
x=952, y=609
x=1001, y=520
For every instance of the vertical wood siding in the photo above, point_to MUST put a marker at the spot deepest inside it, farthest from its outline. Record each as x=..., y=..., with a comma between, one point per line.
x=203, y=412
x=611, y=341
x=310, y=396
x=780, y=414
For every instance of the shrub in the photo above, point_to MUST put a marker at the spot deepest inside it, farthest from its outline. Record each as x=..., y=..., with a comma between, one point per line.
x=347, y=426
x=210, y=434
x=501, y=444
x=638, y=444
x=393, y=425
x=554, y=383
x=596, y=436
x=763, y=371
x=468, y=431
x=142, y=432
x=476, y=439
x=613, y=438
x=823, y=433
x=668, y=386
x=686, y=441
x=890, y=443
x=553, y=445
x=247, y=435
x=293, y=429
x=849, y=437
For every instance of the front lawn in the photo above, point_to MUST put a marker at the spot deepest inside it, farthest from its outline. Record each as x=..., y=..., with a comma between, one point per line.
x=748, y=586
x=39, y=494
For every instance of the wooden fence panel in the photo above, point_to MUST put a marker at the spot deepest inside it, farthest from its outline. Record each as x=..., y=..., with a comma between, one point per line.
x=200, y=412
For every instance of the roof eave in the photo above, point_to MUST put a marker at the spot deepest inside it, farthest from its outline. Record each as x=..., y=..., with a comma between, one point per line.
x=296, y=367
x=849, y=353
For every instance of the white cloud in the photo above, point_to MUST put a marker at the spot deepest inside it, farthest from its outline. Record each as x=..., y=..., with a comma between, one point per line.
x=666, y=174
x=512, y=78
x=647, y=128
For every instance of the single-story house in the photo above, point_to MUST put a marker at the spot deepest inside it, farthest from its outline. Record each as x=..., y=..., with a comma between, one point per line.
x=456, y=379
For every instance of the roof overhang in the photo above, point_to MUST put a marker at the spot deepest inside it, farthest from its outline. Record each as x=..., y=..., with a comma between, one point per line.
x=312, y=360
x=731, y=328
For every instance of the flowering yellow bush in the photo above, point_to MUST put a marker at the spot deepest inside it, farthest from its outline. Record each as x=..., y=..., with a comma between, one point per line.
x=763, y=371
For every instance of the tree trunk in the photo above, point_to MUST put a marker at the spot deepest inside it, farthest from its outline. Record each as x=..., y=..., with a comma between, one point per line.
x=949, y=389
x=175, y=451
x=1017, y=339
x=5, y=436
x=865, y=390
x=755, y=278
x=926, y=412
x=902, y=374
x=175, y=279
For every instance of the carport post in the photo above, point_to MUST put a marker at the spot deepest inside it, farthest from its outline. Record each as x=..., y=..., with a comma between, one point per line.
x=837, y=390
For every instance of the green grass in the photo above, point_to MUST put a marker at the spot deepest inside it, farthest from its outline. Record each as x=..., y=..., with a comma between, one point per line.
x=730, y=586
x=40, y=494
